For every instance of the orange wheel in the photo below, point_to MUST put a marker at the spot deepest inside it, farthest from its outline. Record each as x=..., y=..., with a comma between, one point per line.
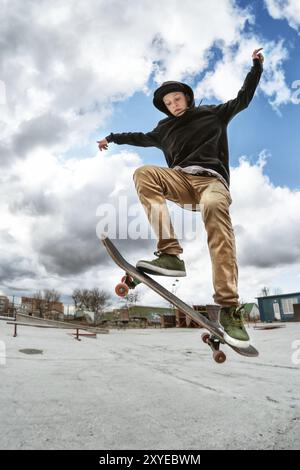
x=121, y=289
x=219, y=357
x=205, y=337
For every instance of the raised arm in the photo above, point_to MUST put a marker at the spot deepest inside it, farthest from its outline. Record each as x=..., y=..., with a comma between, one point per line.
x=150, y=139
x=228, y=110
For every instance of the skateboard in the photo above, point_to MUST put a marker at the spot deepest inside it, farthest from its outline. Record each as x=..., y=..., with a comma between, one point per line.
x=134, y=276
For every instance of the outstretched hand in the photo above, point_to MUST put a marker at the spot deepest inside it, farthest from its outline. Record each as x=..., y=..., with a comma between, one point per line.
x=257, y=55
x=102, y=144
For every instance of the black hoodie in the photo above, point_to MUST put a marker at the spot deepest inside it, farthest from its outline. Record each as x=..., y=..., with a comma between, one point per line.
x=199, y=136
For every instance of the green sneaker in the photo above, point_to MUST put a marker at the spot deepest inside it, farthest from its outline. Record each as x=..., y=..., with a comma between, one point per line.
x=164, y=265
x=231, y=322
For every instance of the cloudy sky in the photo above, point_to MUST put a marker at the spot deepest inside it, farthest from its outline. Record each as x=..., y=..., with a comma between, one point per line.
x=74, y=71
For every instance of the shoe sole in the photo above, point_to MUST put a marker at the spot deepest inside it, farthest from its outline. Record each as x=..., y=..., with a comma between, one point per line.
x=236, y=342
x=149, y=268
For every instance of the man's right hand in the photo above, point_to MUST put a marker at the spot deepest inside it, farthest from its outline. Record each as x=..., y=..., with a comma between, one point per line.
x=102, y=144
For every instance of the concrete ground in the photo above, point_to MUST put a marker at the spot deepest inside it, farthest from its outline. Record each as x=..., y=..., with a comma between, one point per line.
x=148, y=389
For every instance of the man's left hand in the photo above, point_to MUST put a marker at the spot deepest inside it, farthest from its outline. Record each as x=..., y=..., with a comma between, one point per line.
x=257, y=55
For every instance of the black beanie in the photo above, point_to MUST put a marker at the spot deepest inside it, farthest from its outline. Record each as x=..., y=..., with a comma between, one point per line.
x=169, y=87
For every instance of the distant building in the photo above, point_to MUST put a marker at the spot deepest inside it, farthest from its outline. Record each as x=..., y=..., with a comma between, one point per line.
x=279, y=307
x=251, y=312
x=140, y=315
x=4, y=302
x=42, y=308
x=84, y=314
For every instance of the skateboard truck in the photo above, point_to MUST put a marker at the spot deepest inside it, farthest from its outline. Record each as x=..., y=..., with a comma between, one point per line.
x=127, y=282
x=214, y=344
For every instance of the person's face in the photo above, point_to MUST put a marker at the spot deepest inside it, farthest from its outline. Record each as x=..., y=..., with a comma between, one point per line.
x=176, y=102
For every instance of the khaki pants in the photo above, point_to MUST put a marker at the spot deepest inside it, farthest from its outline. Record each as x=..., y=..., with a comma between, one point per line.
x=156, y=184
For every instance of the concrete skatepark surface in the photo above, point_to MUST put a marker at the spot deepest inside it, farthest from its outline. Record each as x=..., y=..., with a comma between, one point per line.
x=148, y=389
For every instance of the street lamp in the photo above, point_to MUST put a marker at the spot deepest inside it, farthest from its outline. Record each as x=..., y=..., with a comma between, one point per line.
x=174, y=286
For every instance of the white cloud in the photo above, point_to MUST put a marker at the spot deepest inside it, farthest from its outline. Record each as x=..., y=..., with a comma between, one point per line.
x=48, y=215
x=267, y=218
x=285, y=9
x=69, y=63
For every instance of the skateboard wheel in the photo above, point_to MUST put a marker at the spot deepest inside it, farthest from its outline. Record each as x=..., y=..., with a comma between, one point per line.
x=219, y=357
x=121, y=289
x=205, y=337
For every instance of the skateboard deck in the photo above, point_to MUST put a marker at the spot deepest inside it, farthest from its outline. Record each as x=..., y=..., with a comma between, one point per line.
x=134, y=276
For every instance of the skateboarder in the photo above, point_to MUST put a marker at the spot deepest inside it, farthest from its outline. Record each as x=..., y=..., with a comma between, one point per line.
x=194, y=142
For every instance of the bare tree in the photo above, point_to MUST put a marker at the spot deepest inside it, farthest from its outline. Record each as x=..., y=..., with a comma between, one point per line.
x=85, y=298
x=51, y=295
x=93, y=300
x=98, y=300
x=38, y=304
x=81, y=298
x=42, y=302
x=76, y=296
x=265, y=291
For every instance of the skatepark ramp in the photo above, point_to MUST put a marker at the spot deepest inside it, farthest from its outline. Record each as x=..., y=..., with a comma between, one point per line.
x=27, y=320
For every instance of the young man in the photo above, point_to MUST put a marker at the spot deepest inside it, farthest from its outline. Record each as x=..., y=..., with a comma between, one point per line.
x=194, y=142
